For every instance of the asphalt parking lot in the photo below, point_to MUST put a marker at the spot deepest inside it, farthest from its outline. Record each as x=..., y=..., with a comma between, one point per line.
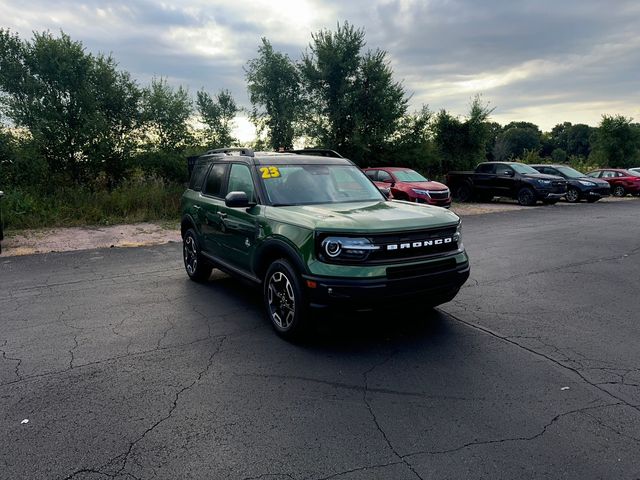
x=126, y=369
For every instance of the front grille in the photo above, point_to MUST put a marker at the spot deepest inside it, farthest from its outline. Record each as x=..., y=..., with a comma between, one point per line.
x=394, y=273
x=559, y=186
x=439, y=194
x=407, y=246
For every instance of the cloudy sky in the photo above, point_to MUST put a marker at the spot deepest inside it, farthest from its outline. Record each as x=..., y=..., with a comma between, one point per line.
x=535, y=60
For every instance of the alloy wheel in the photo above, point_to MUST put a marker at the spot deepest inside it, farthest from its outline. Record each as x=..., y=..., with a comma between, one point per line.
x=281, y=299
x=190, y=254
x=572, y=195
x=618, y=191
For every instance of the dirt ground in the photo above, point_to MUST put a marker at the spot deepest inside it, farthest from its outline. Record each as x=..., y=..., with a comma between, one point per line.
x=27, y=242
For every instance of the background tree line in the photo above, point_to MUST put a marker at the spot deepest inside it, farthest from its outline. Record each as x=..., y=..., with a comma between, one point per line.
x=83, y=142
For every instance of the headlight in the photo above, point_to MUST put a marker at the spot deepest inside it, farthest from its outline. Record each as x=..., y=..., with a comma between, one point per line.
x=586, y=184
x=544, y=182
x=421, y=192
x=458, y=235
x=347, y=248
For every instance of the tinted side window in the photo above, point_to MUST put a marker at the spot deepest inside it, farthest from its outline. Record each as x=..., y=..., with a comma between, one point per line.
x=213, y=186
x=372, y=174
x=486, y=168
x=240, y=180
x=384, y=177
x=197, y=176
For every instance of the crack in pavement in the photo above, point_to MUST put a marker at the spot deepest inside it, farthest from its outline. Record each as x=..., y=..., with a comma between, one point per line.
x=75, y=340
x=124, y=457
x=349, y=386
x=542, y=355
x=509, y=439
x=365, y=391
x=12, y=359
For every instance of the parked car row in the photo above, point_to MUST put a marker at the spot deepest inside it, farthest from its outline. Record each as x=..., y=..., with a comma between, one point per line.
x=529, y=184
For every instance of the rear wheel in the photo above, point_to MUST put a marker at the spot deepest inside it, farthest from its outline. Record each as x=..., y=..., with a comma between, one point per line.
x=284, y=300
x=526, y=197
x=195, y=264
x=619, y=191
x=573, y=195
x=463, y=193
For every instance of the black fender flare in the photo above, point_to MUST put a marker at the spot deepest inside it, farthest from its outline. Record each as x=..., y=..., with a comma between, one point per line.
x=272, y=249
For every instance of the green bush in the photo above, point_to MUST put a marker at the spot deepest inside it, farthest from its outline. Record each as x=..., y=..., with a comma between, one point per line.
x=135, y=200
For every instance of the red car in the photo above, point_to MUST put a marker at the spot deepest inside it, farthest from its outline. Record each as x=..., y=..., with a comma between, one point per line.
x=622, y=181
x=407, y=184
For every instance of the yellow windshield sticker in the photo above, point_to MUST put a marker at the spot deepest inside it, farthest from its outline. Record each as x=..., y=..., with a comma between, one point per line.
x=270, y=172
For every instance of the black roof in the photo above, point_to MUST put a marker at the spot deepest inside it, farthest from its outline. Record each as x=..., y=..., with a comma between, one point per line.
x=273, y=158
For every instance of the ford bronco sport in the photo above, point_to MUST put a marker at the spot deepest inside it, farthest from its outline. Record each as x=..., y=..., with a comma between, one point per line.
x=315, y=232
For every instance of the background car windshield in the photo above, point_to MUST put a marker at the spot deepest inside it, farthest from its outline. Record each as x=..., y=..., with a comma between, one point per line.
x=570, y=172
x=316, y=184
x=524, y=169
x=409, y=176
x=635, y=173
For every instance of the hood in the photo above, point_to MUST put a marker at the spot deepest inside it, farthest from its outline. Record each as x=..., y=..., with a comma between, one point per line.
x=430, y=185
x=597, y=181
x=544, y=176
x=364, y=217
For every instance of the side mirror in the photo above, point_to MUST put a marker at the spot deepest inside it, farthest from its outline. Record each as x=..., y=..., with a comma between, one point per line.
x=237, y=200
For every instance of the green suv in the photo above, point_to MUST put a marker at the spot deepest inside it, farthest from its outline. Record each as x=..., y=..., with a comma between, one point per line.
x=315, y=232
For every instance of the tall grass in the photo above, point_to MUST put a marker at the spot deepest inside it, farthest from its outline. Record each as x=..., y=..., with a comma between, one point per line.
x=135, y=200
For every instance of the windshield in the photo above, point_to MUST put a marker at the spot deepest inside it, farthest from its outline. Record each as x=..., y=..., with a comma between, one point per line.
x=409, y=176
x=315, y=184
x=570, y=172
x=523, y=169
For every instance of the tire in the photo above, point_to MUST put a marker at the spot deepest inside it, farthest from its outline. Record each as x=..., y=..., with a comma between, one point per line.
x=619, y=191
x=550, y=202
x=195, y=264
x=526, y=197
x=464, y=193
x=573, y=195
x=284, y=300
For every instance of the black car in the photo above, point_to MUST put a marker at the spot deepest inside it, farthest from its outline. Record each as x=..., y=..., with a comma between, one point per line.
x=580, y=186
x=507, y=179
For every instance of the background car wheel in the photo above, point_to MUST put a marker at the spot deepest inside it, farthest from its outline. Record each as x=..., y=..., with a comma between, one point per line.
x=463, y=193
x=573, y=195
x=196, y=266
x=619, y=191
x=526, y=197
x=284, y=300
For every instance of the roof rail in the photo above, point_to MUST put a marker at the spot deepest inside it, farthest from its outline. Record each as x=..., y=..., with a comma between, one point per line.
x=320, y=152
x=243, y=151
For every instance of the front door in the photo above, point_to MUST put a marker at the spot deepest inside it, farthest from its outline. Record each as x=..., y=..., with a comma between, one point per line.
x=238, y=226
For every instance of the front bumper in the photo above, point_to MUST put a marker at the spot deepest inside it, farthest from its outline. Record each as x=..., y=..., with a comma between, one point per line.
x=429, y=281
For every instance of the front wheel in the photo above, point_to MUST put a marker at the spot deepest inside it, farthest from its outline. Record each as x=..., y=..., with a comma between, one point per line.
x=619, y=191
x=573, y=195
x=463, y=193
x=284, y=300
x=196, y=266
x=526, y=197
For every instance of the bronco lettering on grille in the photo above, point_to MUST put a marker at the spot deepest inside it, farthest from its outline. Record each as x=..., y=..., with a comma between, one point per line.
x=425, y=243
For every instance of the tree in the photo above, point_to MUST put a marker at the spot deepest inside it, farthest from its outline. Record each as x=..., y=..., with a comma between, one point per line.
x=275, y=94
x=78, y=108
x=217, y=114
x=462, y=144
x=166, y=112
x=617, y=142
x=518, y=137
x=579, y=140
x=354, y=103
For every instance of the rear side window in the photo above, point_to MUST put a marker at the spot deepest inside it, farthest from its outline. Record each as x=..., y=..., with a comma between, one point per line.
x=213, y=186
x=486, y=168
x=384, y=177
x=197, y=176
x=372, y=174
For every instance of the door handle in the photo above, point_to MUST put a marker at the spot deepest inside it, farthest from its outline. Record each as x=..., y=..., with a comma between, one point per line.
x=196, y=207
x=222, y=215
